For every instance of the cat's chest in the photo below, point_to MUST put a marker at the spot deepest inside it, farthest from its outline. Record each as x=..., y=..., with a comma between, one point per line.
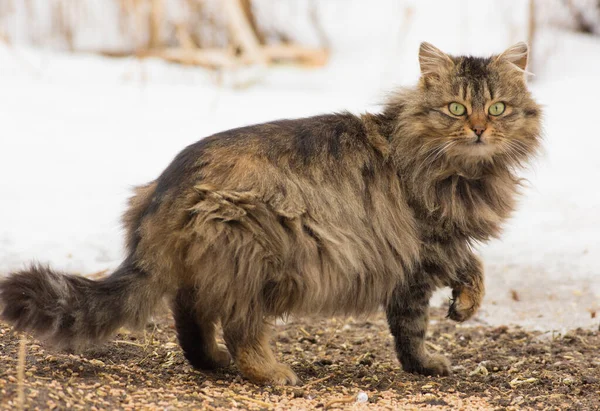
x=468, y=209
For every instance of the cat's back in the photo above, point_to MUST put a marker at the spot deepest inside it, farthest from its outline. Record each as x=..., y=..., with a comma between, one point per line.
x=319, y=141
x=276, y=158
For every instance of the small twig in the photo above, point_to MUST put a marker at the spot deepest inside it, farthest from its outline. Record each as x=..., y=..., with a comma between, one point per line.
x=151, y=341
x=130, y=343
x=259, y=402
x=518, y=381
x=21, y=374
x=317, y=381
x=345, y=400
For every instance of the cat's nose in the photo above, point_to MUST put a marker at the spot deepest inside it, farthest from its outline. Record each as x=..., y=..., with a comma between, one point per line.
x=478, y=129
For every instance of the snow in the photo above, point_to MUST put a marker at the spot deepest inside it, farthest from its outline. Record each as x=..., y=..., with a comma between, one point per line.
x=78, y=131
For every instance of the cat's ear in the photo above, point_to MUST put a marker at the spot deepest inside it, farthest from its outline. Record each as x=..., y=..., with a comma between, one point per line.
x=433, y=60
x=517, y=54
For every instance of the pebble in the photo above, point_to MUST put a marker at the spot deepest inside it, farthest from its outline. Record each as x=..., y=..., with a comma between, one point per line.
x=362, y=397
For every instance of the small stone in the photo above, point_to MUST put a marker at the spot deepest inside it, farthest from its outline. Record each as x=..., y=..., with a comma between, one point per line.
x=362, y=397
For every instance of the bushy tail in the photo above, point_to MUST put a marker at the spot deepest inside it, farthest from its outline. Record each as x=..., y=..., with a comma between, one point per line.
x=70, y=311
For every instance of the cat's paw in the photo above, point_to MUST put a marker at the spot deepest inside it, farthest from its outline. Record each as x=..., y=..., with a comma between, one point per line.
x=465, y=303
x=277, y=374
x=432, y=364
x=221, y=356
x=283, y=375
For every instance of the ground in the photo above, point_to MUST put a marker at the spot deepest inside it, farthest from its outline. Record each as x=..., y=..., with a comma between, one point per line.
x=494, y=368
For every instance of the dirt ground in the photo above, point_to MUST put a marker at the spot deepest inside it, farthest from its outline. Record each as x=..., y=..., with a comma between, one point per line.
x=339, y=361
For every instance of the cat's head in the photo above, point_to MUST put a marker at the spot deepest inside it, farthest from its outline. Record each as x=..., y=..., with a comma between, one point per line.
x=477, y=110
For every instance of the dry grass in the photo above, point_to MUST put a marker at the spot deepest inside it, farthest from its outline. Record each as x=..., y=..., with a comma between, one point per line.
x=494, y=368
x=216, y=34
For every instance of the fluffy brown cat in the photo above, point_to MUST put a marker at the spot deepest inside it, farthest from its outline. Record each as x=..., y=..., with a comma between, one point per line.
x=335, y=215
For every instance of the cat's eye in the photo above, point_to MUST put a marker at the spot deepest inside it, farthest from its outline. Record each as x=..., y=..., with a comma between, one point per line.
x=456, y=108
x=497, y=108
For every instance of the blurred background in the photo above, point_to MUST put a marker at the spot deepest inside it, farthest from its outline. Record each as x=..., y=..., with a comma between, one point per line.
x=97, y=96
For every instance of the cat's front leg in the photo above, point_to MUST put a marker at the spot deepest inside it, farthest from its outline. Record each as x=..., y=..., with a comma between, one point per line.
x=468, y=291
x=408, y=316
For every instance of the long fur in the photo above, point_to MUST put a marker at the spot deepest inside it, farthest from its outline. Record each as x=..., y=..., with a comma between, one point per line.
x=336, y=215
x=71, y=311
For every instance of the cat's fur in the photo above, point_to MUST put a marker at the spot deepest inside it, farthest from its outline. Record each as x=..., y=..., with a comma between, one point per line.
x=334, y=214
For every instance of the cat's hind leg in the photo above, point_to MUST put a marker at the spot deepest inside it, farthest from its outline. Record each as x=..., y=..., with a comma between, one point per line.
x=249, y=345
x=196, y=334
x=408, y=316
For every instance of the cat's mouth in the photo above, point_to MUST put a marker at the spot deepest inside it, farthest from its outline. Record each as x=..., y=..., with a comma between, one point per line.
x=478, y=147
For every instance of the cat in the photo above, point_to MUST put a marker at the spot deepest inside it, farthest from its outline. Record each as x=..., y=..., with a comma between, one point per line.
x=337, y=214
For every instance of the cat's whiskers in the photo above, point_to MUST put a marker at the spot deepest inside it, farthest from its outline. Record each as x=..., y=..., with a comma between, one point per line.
x=514, y=152
x=431, y=154
x=516, y=147
x=510, y=154
x=520, y=146
x=445, y=149
x=441, y=151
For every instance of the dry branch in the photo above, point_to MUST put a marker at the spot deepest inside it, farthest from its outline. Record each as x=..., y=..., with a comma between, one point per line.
x=241, y=31
x=209, y=58
x=223, y=58
x=183, y=37
x=291, y=52
x=155, y=19
x=153, y=33
x=247, y=7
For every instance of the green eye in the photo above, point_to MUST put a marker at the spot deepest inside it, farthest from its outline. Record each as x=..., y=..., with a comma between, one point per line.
x=497, y=108
x=457, y=109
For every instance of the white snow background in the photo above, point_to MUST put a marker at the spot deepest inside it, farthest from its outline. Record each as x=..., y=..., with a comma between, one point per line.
x=78, y=131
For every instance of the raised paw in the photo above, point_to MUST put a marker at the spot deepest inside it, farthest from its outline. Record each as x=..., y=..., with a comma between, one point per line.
x=465, y=302
x=431, y=364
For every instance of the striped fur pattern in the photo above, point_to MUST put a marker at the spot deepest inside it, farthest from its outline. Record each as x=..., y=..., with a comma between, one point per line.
x=334, y=215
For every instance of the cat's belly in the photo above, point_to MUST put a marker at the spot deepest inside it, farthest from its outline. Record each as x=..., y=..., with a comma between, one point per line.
x=331, y=294
x=337, y=276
